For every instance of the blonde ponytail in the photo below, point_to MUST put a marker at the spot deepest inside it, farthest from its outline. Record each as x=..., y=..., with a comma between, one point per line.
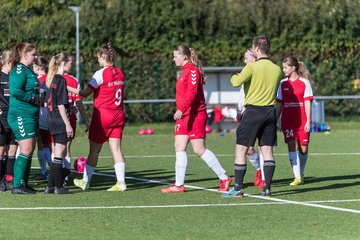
x=54, y=66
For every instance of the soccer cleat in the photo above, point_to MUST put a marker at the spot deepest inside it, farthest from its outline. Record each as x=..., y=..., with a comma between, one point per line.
x=174, y=189
x=49, y=190
x=21, y=190
x=233, y=193
x=224, y=184
x=261, y=184
x=81, y=184
x=296, y=182
x=266, y=193
x=9, y=185
x=257, y=178
x=41, y=177
x=302, y=178
x=29, y=188
x=120, y=186
x=2, y=186
x=61, y=190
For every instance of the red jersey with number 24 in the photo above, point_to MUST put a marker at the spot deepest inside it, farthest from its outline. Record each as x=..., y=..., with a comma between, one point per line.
x=292, y=95
x=189, y=90
x=108, y=86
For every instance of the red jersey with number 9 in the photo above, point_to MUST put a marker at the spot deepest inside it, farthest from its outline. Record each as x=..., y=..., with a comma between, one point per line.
x=108, y=86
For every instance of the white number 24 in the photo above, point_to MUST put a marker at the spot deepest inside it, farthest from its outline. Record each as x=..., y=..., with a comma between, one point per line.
x=289, y=133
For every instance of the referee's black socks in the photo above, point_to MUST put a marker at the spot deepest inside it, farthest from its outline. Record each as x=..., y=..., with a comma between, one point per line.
x=240, y=170
x=269, y=168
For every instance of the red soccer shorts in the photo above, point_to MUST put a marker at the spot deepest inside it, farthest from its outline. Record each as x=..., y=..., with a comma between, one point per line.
x=106, y=124
x=303, y=138
x=192, y=125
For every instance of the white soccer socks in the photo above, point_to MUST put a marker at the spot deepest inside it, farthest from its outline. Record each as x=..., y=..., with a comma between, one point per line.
x=295, y=163
x=211, y=160
x=180, y=167
x=120, y=171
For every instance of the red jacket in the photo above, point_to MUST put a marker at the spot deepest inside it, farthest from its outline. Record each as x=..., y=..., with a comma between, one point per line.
x=189, y=90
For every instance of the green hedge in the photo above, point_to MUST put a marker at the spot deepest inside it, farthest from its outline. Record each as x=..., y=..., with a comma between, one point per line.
x=324, y=34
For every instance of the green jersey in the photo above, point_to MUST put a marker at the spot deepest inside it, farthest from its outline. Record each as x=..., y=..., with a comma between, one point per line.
x=23, y=86
x=261, y=80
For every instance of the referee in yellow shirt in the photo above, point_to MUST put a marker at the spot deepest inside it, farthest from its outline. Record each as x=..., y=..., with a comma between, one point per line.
x=261, y=80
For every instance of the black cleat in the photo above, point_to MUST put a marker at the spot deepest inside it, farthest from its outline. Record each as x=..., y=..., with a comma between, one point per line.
x=49, y=190
x=29, y=188
x=9, y=185
x=266, y=193
x=61, y=190
x=21, y=190
x=2, y=186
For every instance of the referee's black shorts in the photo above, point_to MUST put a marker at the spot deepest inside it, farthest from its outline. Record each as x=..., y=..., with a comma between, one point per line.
x=257, y=122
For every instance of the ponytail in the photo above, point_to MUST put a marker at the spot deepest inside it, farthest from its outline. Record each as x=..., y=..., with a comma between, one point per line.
x=52, y=69
x=54, y=66
x=304, y=72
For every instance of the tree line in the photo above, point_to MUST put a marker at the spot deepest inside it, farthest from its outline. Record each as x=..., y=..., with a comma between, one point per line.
x=322, y=33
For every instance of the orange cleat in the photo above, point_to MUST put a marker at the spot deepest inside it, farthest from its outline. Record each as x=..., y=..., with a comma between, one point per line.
x=174, y=189
x=261, y=184
x=224, y=185
x=257, y=178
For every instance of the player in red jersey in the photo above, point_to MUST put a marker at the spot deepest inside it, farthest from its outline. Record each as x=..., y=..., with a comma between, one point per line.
x=294, y=98
x=75, y=102
x=108, y=118
x=190, y=118
x=44, y=140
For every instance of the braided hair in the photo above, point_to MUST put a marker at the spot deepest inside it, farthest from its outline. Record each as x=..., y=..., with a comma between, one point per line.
x=109, y=53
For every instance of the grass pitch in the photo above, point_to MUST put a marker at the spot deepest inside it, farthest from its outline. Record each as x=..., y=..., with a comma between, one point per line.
x=325, y=207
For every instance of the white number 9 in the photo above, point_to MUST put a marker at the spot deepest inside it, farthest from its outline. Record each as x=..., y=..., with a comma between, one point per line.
x=118, y=96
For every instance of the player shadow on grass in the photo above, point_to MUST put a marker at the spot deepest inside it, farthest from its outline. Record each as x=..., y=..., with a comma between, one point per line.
x=310, y=180
x=104, y=178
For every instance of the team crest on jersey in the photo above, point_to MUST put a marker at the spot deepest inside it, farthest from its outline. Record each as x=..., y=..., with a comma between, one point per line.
x=193, y=77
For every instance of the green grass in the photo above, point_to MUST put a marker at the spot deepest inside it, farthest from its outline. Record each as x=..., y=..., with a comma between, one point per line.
x=330, y=175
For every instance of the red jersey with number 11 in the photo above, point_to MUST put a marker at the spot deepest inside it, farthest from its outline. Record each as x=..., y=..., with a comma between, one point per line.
x=108, y=86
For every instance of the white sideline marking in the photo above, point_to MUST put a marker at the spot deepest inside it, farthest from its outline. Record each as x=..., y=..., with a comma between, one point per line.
x=309, y=204
x=275, y=200
x=167, y=206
